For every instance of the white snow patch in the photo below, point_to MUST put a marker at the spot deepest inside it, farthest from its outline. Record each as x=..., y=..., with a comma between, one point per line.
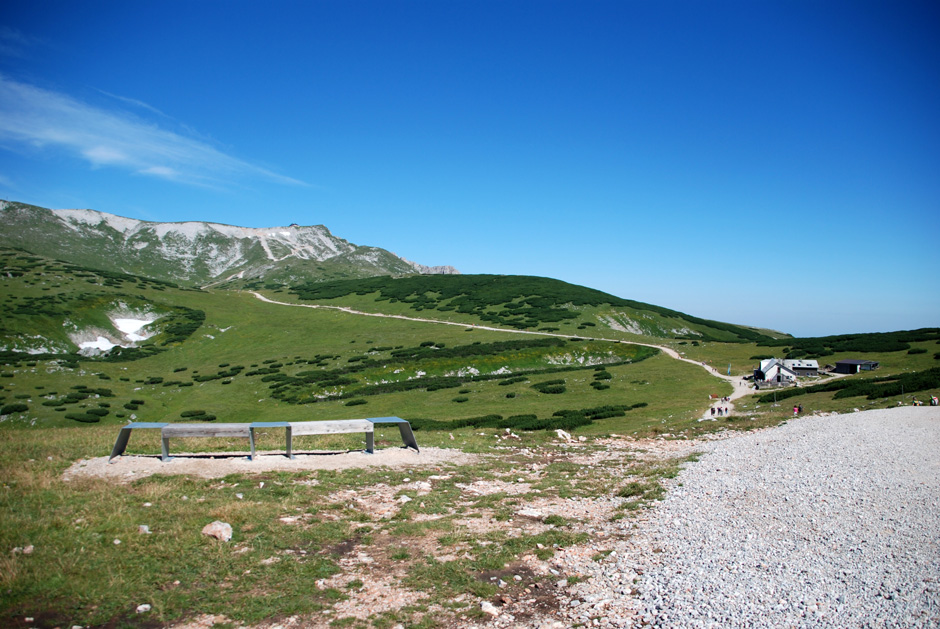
x=100, y=343
x=501, y=371
x=131, y=327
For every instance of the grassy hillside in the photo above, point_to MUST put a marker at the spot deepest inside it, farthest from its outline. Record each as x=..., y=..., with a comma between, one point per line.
x=239, y=359
x=524, y=303
x=76, y=555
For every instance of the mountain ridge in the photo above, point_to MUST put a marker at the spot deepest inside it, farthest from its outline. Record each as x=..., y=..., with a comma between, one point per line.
x=198, y=253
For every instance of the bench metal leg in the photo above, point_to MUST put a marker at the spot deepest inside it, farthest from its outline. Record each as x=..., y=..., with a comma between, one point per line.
x=290, y=443
x=407, y=436
x=121, y=444
x=251, y=441
x=370, y=442
x=165, y=449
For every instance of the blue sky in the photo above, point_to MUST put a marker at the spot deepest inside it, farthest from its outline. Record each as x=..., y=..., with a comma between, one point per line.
x=774, y=164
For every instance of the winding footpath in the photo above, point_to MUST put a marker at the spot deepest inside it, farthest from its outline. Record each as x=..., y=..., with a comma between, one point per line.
x=739, y=384
x=827, y=521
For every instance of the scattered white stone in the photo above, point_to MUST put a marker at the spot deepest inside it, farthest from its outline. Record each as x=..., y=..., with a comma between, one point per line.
x=239, y=496
x=563, y=435
x=530, y=513
x=404, y=499
x=143, y=529
x=117, y=542
x=141, y=609
x=218, y=530
x=147, y=504
x=488, y=608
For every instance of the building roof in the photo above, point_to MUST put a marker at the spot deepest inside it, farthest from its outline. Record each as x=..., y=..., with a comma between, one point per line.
x=855, y=361
x=801, y=364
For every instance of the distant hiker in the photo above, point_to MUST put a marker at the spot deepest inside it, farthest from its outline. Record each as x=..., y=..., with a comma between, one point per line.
x=800, y=407
x=796, y=411
x=713, y=411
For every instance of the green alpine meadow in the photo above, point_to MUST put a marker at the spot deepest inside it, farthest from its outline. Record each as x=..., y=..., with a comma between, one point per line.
x=527, y=395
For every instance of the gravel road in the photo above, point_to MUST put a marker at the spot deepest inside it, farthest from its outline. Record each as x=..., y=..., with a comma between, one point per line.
x=830, y=521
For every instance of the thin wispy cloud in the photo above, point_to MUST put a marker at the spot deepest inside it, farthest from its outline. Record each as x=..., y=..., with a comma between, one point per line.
x=34, y=118
x=13, y=43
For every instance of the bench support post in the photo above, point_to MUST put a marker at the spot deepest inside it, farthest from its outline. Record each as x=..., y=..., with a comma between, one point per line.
x=121, y=444
x=124, y=436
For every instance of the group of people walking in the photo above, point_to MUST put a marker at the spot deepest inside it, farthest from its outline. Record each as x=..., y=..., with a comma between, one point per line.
x=721, y=411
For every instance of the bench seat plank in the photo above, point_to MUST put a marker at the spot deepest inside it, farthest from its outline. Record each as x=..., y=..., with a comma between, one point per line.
x=206, y=430
x=330, y=427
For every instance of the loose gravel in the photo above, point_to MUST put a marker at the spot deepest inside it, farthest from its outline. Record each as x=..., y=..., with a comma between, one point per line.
x=829, y=521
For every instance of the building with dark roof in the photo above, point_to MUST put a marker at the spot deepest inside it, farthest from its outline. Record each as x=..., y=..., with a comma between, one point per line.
x=855, y=366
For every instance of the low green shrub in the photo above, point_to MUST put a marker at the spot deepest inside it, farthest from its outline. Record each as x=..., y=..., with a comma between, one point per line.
x=85, y=418
x=356, y=402
x=13, y=408
x=461, y=399
x=186, y=414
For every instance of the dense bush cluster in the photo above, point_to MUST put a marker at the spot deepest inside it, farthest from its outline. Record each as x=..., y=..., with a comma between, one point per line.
x=860, y=343
x=197, y=415
x=553, y=387
x=85, y=418
x=438, y=351
x=515, y=301
x=565, y=420
x=872, y=388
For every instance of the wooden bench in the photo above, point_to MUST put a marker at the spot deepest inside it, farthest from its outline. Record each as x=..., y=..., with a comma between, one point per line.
x=168, y=431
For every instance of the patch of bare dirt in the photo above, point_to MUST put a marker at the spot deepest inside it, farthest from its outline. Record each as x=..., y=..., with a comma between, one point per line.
x=126, y=468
